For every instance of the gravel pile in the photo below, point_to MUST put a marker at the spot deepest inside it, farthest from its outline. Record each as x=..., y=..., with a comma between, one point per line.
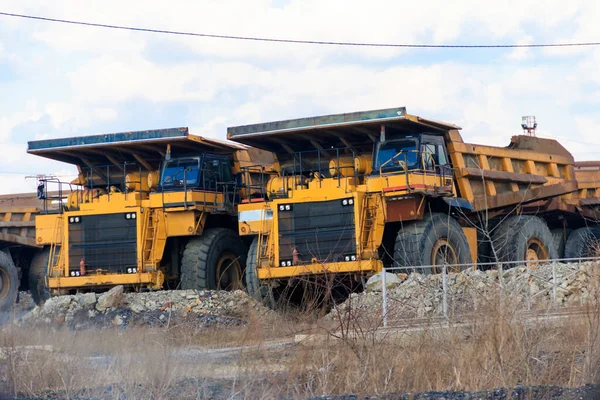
x=419, y=296
x=115, y=308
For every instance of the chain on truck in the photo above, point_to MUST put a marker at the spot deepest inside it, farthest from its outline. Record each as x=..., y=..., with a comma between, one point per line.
x=149, y=209
x=360, y=191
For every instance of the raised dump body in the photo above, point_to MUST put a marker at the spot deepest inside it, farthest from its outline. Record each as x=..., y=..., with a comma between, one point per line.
x=149, y=209
x=359, y=191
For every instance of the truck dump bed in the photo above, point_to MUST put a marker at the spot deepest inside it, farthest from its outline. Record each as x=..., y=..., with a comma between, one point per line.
x=527, y=170
x=17, y=218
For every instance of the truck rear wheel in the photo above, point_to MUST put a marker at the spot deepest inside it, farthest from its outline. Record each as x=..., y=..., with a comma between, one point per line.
x=435, y=240
x=560, y=236
x=255, y=290
x=582, y=243
x=9, y=284
x=213, y=261
x=38, y=270
x=524, y=238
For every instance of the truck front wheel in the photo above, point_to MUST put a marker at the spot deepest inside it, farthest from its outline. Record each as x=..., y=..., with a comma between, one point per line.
x=9, y=284
x=38, y=270
x=256, y=290
x=213, y=261
x=436, y=240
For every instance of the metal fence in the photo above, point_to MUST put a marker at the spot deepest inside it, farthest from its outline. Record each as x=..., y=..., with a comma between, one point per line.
x=464, y=286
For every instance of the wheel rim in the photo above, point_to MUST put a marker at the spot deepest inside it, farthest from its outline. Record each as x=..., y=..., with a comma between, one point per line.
x=535, y=252
x=228, y=273
x=4, y=283
x=444, y=253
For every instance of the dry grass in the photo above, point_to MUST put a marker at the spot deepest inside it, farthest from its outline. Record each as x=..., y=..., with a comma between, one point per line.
x=498, y=347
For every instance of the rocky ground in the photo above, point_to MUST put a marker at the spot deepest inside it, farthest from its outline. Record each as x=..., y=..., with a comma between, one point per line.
x=119, y=309
x=416, y=295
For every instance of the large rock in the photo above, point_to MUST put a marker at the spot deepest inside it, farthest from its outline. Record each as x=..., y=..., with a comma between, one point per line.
x=374, y=283
x=89, y=299
x=110, y=299
x=56, y=305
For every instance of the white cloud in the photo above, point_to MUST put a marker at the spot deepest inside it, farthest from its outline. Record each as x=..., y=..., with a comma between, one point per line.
x=89, y=78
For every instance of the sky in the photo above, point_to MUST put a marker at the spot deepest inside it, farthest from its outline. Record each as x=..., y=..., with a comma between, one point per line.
x=59, y=80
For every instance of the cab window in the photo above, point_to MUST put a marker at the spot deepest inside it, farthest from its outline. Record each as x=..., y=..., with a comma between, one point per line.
x=391, y=153
x=175, y=172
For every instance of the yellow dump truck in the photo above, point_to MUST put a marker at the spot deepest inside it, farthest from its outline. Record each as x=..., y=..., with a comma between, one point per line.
x=360, y=191
x=149, y=209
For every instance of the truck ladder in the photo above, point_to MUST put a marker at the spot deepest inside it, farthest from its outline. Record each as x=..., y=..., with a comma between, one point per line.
x=151, y=241
x=54, y=266
x=263, y=239
x=370, y=206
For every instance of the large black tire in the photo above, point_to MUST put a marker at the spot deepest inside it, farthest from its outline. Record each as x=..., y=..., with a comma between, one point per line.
x=9, y=284
x=560, y=236
x=262, y=293
x=583, y=242
x=38, y=270
x=215, y=260
x=436, y=233
x=523, y=238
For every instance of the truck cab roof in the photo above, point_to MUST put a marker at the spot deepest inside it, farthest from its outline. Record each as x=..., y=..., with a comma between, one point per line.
x=356, y=129
x=147, y=148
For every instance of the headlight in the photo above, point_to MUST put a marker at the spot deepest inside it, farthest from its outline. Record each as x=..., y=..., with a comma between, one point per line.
x=77, y=219
x=347, y=202
x=133, y=215
x=128, y=270
x=285, y=207
x=347, y=258
x=353, y=257
x=71, y=219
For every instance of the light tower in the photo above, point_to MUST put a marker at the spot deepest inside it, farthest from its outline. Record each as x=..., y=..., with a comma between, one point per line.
x=529, y=125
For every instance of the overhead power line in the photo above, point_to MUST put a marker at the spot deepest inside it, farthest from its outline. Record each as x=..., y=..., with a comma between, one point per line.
x=296, y=41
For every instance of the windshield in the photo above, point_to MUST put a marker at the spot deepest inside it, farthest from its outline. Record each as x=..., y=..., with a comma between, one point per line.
x=400, y=150
x=174, y=172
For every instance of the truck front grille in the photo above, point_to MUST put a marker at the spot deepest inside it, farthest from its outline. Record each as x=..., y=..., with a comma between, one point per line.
x=107, y=242
x=321, y=230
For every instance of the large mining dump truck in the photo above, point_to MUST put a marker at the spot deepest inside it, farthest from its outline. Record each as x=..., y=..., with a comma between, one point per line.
x=149, y=210
x=358, y=192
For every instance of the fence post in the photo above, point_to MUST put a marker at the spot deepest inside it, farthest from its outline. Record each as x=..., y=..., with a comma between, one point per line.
x=554, y=297
x=384, y=297
x=501, y=281
x=445, y=291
